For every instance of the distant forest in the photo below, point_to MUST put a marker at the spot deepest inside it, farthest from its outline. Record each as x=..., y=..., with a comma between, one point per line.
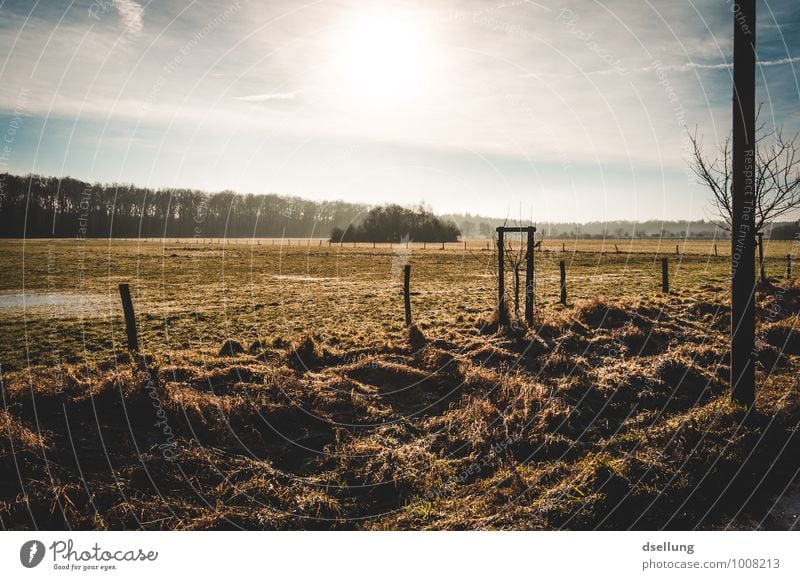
x=394, y=223
x=35, y=206
x=473, y=226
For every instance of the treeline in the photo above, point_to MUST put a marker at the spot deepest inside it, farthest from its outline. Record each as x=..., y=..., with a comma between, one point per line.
x=37, y=206
x=34, y=206
x=394, y=223
x=785, y=231
x=474, y=226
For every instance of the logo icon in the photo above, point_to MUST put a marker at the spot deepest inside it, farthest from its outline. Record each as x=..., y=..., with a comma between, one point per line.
x=31, y=553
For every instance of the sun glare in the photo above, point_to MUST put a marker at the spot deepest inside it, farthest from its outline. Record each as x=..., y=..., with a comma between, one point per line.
x=384, y=60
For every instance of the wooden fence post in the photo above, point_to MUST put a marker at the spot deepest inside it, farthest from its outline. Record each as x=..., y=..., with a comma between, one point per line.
x=761, y=267
x=665, y=275
x=130, y=318
x=788, y=266
x=677, y=250
x=715, y=250
x=529, y=279
x=407, y=292
x=563, y=267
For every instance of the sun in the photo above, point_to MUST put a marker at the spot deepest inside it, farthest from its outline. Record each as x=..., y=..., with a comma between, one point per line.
x=384, y=59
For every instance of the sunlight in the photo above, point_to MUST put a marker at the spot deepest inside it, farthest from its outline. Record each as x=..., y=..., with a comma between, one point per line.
x=384, y=60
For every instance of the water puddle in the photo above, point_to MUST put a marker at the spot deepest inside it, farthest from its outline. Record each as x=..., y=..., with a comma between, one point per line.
x=301, y=278
x=59, y=303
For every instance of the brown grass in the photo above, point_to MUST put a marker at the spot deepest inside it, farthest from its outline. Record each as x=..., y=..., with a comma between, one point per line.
x=598, y=420
x=304, y=402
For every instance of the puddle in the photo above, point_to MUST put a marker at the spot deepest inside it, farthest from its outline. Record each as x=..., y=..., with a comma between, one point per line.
x=301, y=278
x=61, y=303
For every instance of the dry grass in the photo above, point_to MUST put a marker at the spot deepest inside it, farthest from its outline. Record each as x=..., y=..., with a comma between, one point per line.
x=611, y=413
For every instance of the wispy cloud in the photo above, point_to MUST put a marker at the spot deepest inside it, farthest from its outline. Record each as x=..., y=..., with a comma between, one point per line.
x=686, y=67
x=131, y=14
x=721, y=65
x=267, y=97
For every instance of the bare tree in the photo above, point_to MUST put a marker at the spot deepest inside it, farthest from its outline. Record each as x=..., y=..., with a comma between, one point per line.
x=776, y=176
x=516, y=257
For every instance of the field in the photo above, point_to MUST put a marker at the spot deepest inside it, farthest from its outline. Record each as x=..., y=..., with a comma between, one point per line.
x=277, y=387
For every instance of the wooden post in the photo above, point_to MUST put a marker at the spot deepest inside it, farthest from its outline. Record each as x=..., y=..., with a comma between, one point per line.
x=563, y=247
x=130, y=318
x=788, y=266
x=502, y=315
x=742, y=379
x=424, y=245
x=665, y=275
x=616, y=249
x=407, y=292
x=761, y=268
x=465, y=246
x=715, y=250
x=677, y=250
x=529, y=280
x=563, y=267
x=442, y=246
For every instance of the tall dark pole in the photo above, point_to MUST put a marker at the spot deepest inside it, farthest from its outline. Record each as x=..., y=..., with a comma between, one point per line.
x=743, y=190
x=501, y=281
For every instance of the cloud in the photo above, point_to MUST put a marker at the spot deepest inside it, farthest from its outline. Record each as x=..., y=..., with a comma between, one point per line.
x=131, y=14
x=686, y=67
x=267, y=97
x=722, y=65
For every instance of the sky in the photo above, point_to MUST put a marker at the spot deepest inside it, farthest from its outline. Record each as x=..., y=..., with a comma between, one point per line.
x=550, y=111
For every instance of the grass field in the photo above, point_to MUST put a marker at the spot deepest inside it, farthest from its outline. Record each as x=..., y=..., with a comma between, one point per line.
x=610, y=412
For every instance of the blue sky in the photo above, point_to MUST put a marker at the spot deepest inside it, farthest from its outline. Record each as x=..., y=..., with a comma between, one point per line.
x=551, y=110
